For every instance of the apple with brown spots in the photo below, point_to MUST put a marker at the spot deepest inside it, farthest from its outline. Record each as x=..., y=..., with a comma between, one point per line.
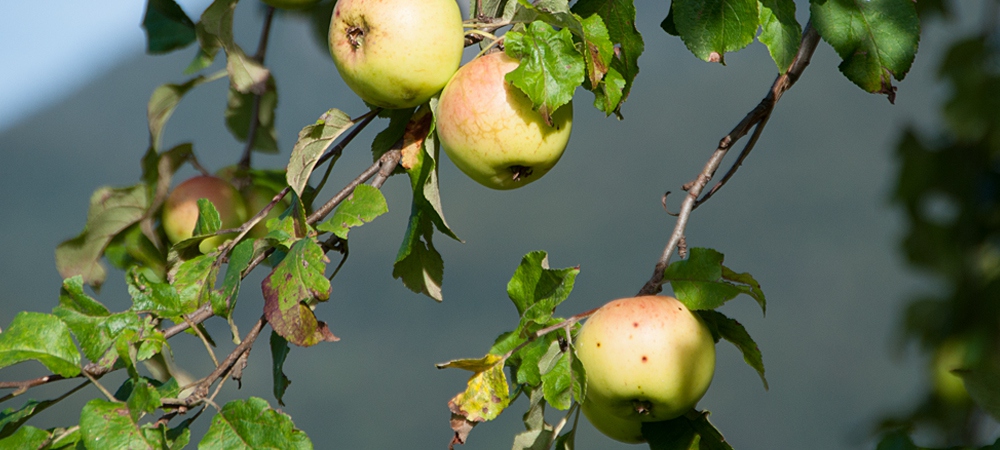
x=647, y=359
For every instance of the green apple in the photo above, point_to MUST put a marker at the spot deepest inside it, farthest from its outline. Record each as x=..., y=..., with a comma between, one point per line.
x=396, y=53
x=950, y=355
x=647, y=359
x=489, y=130
x=291, y=4
x=180, y=211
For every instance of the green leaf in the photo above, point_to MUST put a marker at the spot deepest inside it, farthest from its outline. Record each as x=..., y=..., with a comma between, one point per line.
x=93, y=325
x=674, y=434
x=981, y=383
x=486, y=394
x=140, y=396
x=299, y=277
x=364, y=205
x=111, y=211
x=41, y=337
x=215, y=30
x=536, y=290
x=11, y=420
x=527, y=360
x=702, y=282
x=279, y=351
x=557, y=376
x=25, y=437
x=105, y=424
x=876, y=39
x=194, y=280
x=550, y=66
x=780, y=32
x=619, y=19
x=313, y=141
x=252, y=424
x=208, y=218
x=239, y=260
x=418, y=263
x=387, y=138
x=164, y=100
x=163, y=438
x=167, y=27
x=734, y=332
x=151, y=295
x=240, y=110
x=710, y=28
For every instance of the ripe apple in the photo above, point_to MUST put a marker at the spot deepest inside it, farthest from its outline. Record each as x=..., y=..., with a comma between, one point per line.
x=396, y=53
x=291, y=4
x=180, y=211
x=647, y=359
x=489, y=130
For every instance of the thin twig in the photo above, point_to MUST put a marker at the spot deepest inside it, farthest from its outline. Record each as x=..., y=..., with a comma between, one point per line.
x=101, y=388
x=255, y=106
x=756, y=117
x=204, y=339
x=389, y=158
x=365, y=119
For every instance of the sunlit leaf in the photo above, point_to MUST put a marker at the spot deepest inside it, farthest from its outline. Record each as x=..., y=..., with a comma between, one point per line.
x=364, y=205
x=619, y=19
x=711, y=28
x=536, y=290
x=702, y=282
x=780, y=32
x=550, y=66
x=105, y=424
x=313, y=141
x=298, y=278
x=487, y=393
x=734, y=332
x=252, y=424
x=25, y=437
x=41, y=337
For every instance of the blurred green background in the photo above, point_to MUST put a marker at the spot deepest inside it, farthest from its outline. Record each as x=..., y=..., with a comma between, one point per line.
x=807, y=215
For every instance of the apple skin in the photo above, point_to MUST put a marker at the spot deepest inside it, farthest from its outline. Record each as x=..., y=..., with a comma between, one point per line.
x=256, y=196
x=950, y=355
x=488, y=129
x=648, y=350
x=180, y=211
x=396, y=53
x=291, y=4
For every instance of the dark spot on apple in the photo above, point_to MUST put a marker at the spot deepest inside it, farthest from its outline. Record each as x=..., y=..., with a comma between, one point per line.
x=356, y=36
x=635, y=324
x=598, y=345
x=520, y=172
x=644, y=358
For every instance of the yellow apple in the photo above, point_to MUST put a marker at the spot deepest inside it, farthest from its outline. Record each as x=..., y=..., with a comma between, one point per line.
x=647, y=359
x=180, y=211
x=396, y=53
x=291, y=4
x=489, y=130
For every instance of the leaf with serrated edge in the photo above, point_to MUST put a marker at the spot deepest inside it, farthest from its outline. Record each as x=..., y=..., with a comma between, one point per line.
x=299, y=277
x=780, y=32
x=313, y=141
x=734, y=332
x=105, y=424
x=619, y=19
x=41, y=337
x=550, y=67
x=700, y=280
x=253, y=424
x=363, y=206
x=877, y=40
x=533, y=283
x=711, y=28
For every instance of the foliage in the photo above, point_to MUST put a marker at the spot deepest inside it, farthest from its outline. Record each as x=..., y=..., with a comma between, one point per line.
x=592, y=44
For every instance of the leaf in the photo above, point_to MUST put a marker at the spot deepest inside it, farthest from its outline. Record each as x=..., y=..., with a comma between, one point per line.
x=876, y=39
x=167, y=27
x=618, y=17
x=151, y=295
x=105, y=424
x=701, y=282
x=25, y=437
x=557, y=376
x=981, y=383
x=140, y=396
x=252, y=424
x=208, y=219
x=11, y=420
x=550, y=66
x=710, y=28
x=41, y=337
x=297, y=278
x=313, y=141
x=161, y=437
x=93, y=325
x=239, y=260
x=194, y=280
x=111, y=211
x=536, y=290
x=674, y=434
x=780, y=32
x=364, y=205
x=239, y=112
x=734, y=332
x=399, y=119
x=215, y=30
x=279, y=351
x=487, y=393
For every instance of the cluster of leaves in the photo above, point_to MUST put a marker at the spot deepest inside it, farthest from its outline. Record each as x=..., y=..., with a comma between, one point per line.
x=541, y=359
x=949, y=187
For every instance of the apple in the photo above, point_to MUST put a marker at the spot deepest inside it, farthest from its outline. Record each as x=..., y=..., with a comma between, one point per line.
x=647, y=359
x=950, y=355
x=396, y=53
x=490, y=131
x=291, y=4
x=257, y=194
x=180, y=211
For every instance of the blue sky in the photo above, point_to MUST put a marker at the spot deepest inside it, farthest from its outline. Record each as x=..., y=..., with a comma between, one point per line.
x=53, y=47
